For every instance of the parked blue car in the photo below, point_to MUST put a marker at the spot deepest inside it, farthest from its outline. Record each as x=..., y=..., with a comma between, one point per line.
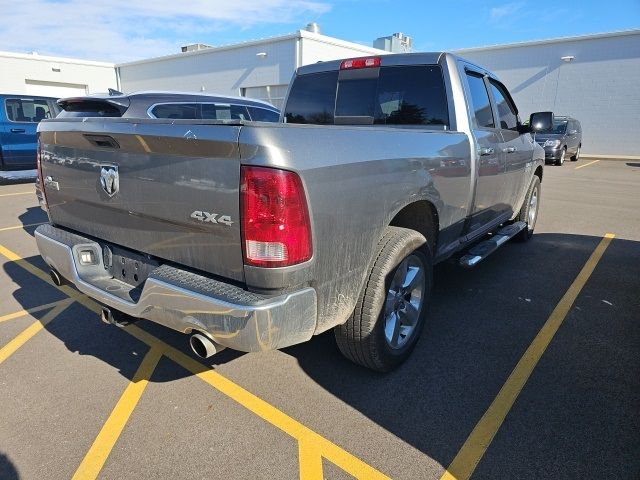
x=19, y=117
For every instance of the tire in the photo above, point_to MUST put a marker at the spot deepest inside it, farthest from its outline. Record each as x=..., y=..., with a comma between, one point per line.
x=367, y=337
x=532, y=200
x=560, y=161
x=577, y=155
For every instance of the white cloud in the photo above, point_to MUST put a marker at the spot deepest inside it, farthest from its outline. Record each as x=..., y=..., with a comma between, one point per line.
x=505, y=11
x=121, y=30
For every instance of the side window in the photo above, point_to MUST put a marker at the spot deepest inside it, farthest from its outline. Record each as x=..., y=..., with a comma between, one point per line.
x=263, y=115
x=212, y=111
x=28, y=110
x=179, y=111
x=481, y=106
x=506, y=111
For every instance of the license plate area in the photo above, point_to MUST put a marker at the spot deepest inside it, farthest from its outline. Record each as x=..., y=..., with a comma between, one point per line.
x=130, y=267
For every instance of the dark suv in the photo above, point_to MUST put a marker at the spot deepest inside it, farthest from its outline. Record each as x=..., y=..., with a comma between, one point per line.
x=565, y=138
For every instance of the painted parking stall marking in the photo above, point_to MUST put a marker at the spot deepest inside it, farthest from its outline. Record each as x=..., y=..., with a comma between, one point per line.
x=312, y=446
x=587, y=164
x=23, y=337
x=474, y=448
x=111, y=430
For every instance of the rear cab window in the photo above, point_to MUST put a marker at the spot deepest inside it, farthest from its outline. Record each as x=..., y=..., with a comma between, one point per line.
x=388, y=95
x=28, y=110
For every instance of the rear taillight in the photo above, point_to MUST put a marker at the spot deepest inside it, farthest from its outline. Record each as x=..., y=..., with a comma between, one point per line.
x=276, y=231
x=40, y=192
x=356, y=63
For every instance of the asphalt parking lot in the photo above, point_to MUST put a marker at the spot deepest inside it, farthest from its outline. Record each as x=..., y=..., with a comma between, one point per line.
x=528, y=368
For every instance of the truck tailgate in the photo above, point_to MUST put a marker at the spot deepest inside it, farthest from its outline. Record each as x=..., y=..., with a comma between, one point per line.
x=164, y=188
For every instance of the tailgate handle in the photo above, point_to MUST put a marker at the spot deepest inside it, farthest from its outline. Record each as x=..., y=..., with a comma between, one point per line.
x=102, y=141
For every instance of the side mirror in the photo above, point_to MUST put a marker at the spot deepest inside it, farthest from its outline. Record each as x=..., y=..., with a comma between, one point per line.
x=541, y=121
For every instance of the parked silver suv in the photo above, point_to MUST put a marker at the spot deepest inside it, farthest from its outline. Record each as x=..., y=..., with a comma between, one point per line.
x=564, y=138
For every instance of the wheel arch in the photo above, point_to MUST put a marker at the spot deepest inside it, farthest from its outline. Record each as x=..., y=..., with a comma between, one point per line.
x=421, y=216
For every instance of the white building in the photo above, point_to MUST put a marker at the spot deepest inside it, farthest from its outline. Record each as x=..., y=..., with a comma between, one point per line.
x=258, y=69
x=32, y=74
x=594, y=78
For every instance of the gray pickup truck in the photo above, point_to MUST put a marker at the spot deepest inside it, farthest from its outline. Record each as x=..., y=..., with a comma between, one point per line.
x=257, y=236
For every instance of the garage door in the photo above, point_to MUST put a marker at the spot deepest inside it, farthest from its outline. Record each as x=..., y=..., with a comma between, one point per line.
x=54, y=89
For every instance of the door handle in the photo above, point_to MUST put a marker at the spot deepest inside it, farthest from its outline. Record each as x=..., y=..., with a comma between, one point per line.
x=509, y=149
x=487, y=151
x=18, y=130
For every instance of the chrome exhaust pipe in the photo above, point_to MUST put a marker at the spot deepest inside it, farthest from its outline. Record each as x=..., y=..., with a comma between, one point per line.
x=106, y=315
x=203, y=346
x=115, y=317
x=56, y=278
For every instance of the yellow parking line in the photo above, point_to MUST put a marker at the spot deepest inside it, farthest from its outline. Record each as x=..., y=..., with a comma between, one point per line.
x=111, y=430
x=29, y=311
x=476, y=445
x=587, y=164
x=15, y=227
x=17, y=193
x=23, y=337
x=321, y=447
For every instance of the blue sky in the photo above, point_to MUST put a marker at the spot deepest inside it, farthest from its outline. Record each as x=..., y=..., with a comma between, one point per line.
x=123, y=30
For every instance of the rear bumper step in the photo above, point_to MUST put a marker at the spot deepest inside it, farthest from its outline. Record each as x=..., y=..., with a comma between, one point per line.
x=185, y=301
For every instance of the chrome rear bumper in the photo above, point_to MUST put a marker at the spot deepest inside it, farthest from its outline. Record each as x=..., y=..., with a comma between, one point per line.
x=186, y=301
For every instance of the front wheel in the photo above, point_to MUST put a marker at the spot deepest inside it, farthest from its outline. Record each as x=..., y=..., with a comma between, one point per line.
x=563, y=154
x=390, y=312
x=529, y=211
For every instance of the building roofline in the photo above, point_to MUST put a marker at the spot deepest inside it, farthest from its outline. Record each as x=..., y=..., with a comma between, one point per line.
x=340, y=43
x=46, y=58
x=577, y=38
x=261, y=41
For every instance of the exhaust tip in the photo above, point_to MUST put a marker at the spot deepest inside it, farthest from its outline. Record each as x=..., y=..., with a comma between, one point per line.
x=106, y=316
x=56, y=278
x=203, y=346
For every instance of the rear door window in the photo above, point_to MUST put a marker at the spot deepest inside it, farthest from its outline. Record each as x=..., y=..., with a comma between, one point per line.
x=481, y=106
x=179, y=111
x=263, y=115
x=220, y=111
x=506, y=110
x=28, y=110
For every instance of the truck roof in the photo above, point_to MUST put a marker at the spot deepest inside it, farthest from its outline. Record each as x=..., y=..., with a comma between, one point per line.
x=393, y=59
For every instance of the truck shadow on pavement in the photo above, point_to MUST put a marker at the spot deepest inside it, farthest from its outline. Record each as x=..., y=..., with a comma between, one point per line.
x=31, y=218
x=8, y=470
x=480, y=323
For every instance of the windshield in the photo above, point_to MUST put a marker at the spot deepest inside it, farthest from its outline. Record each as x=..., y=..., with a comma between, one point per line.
x=559, y=127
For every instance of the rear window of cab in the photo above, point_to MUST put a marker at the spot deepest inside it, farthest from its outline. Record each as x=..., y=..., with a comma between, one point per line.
x=392, y=95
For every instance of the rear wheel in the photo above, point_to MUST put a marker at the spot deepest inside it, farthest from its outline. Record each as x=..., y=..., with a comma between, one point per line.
x=529, y=211
x=577, y=155
x=389, y=315
x=563, y=154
